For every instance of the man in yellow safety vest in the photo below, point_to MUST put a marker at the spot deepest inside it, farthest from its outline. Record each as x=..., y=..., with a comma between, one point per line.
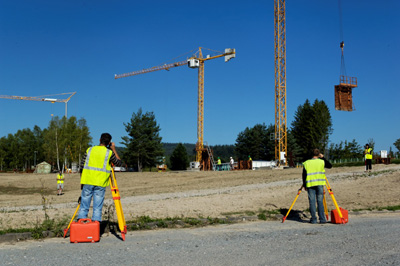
x=314, y=181
x=60, y=183
x=95, y=172
x=368, y=158
x=219, y=164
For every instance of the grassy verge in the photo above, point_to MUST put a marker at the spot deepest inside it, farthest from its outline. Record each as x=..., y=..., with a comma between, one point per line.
x=147, y=223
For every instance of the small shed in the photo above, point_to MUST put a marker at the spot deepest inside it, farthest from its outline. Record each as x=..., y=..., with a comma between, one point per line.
x=43, y=168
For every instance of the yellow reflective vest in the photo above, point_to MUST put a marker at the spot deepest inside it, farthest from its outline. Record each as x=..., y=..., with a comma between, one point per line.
x=315, y=169
x=368, y=153
x=219, y=161
x=97, y=168
x=60, y=179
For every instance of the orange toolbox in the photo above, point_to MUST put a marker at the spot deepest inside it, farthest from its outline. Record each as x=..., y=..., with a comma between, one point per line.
x=84, y=230
x=335, y=217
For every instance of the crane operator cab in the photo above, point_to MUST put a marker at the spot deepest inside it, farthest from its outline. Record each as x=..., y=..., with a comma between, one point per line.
x=193, y=63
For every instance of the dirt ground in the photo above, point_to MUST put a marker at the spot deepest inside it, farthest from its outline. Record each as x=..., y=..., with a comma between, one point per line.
x=23, y=197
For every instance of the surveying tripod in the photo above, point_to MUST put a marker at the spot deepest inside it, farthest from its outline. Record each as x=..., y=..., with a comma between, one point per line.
x=324, y=203
x=118, y=207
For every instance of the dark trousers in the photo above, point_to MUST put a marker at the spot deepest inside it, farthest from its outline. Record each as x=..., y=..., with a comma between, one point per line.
x=368, y=164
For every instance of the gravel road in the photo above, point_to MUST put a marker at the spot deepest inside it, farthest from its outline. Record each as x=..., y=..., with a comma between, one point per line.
x=366, y=240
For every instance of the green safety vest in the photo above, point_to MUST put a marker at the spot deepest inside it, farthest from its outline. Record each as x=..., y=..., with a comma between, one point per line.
x=315, y=172
x=368, y=153
x=60, y=179
x=97, y=168
x=219, y=161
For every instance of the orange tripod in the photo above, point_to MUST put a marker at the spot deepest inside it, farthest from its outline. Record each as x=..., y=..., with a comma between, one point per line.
x=324, y=202
x=118, y=207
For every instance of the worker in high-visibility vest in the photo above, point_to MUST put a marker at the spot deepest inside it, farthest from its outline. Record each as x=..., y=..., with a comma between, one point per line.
x=95, y=172
x=60, y=183
x=219, y=164
x=368, y=158
x=314, y=181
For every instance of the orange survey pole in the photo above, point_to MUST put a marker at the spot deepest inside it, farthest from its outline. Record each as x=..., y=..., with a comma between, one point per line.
x=73, y=216
x=118, y=207
x=328, y=186
x=298, y=193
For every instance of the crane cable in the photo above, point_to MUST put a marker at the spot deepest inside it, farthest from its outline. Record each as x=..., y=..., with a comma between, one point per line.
x=342, y=64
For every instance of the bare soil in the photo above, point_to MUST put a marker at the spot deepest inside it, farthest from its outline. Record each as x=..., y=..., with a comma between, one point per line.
x=26, y=198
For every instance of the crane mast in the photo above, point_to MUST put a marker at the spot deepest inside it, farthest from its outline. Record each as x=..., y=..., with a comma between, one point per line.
x=280, y=81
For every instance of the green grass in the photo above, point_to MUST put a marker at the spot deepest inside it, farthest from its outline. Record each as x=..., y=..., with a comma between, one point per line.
x=148, y=223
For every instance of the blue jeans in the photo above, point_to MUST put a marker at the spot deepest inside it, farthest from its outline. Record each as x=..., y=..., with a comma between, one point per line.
x=97, y=193
x=316, y=192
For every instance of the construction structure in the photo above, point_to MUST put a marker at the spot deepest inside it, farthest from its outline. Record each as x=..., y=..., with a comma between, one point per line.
x=343, y=91
x=196, y=60
x=280, y=83
x=44, y=98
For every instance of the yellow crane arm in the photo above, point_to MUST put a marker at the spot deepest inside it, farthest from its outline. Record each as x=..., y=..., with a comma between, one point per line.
x=152, y=69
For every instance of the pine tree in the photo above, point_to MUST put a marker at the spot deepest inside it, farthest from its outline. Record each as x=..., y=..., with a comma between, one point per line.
x=255, y=142
x=311, y=128
x=179, y=158
x=143, y=143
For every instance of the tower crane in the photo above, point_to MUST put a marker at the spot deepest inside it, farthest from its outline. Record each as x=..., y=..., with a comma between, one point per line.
x=44, y=98
x=195, y=61
x=280, y=81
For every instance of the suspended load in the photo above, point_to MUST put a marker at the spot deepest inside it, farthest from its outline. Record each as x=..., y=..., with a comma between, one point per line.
x=343, y=91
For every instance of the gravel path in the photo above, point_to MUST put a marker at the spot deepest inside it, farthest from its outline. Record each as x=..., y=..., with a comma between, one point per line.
x=365, y=240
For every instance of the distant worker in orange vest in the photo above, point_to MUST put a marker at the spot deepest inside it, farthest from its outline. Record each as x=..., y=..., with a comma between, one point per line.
x=60, y=183
x=368, y=158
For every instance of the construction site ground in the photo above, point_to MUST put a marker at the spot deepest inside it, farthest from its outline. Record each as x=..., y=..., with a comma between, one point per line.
x=26, y=198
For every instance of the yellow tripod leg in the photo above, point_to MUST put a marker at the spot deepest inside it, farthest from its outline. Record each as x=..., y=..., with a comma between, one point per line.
x=69, y=225
x=325, y=207
x=118, y=207
x=334, y=200
x=298, y=193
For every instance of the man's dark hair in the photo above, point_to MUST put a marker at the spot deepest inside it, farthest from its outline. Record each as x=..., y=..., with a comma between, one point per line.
x=105, y=139
x=316, y=152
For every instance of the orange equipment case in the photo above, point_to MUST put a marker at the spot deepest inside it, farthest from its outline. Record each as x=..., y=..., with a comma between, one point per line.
x=84, y=230
x=335, y=217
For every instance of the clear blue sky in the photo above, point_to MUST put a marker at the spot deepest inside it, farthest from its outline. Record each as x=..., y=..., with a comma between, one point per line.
x=50, y=47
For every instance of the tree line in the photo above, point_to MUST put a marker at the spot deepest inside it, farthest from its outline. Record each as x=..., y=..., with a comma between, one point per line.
x=65, y=141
